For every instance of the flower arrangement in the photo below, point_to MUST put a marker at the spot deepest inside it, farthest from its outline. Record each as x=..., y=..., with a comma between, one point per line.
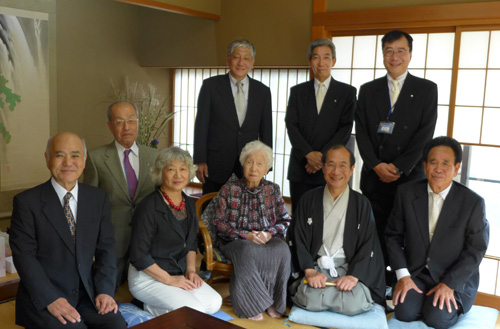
x=153, y=109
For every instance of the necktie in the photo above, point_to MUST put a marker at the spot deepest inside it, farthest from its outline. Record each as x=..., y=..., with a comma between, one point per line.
x=394, y=91
x=434, y=211
x=69, y=215
x=240, y=103
x=130, y=173
x=320, y=96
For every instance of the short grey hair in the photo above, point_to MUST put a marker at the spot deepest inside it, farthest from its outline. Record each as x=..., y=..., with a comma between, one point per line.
x=165, y=157
x=320, y=43
x=110, y=107
x=241, y=43
x=49, y=146
x=255, y=146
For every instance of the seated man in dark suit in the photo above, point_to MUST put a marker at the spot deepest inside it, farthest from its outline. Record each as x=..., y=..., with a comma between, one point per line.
x=233, y=110
x=63, y=247
x=436, y=237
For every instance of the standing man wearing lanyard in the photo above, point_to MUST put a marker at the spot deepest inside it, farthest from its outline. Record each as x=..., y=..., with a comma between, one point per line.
x=396, y=116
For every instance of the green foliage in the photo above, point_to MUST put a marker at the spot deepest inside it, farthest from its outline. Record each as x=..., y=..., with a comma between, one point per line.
x=8, y=101
x=153, y=109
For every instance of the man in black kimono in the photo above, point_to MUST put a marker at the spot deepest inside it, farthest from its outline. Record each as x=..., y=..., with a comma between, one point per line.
x=350, y=234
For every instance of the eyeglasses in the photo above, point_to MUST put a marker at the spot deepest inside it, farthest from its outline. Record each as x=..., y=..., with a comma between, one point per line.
x=120, y=122
x=398, y=53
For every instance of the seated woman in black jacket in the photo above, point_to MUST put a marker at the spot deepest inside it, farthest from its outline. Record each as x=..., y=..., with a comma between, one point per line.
x=163, y=244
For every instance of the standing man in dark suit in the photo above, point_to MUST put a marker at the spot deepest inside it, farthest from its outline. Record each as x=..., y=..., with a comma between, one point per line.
x=437, y=235
x=320, y=114
x=63, y=247
x=121, y=168
x=233, y=109
x=396, y=116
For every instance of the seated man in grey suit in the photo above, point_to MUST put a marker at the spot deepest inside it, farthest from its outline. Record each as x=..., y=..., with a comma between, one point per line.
x=436, y=237
x=121, y=168
x=63, y=247
x=333, y=238
x=233, y=110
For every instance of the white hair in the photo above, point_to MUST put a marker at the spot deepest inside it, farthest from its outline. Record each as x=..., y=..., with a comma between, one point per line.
x=255, y=146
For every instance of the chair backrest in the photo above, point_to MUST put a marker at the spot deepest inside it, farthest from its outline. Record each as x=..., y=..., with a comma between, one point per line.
x=203, y=202
x=205, y=210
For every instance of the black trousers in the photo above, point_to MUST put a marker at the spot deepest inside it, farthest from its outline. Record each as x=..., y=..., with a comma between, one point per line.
x=419, y=306
x=212, y=186
x=90, y=318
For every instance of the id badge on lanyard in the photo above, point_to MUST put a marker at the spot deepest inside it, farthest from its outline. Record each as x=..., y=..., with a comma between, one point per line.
x=386, y=126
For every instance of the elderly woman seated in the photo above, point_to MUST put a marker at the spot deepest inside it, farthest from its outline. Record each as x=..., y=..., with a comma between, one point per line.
x=251, y=220
x=163, y=244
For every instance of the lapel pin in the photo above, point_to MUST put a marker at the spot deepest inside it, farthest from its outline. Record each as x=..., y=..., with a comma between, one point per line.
x=411, y=95
x=335, y=101
x=309, y=221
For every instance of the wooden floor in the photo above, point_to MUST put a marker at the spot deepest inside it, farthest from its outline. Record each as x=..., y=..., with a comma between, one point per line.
x=7, y=313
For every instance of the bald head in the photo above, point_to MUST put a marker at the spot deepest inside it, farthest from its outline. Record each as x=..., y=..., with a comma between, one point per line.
x=65, y=156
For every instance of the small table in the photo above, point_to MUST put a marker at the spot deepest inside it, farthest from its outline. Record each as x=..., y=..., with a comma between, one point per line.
x=8, y=286
x=186, y=317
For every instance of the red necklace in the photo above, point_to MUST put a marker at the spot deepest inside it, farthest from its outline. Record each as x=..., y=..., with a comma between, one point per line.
x=171, y=203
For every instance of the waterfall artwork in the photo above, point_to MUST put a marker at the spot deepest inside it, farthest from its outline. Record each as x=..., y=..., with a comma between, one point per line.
x=24, y=97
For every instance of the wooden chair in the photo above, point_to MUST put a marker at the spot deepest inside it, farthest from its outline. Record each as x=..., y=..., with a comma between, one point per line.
x=221, y=268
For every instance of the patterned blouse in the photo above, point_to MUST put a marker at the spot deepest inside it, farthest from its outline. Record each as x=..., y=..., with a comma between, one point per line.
x=241, y=210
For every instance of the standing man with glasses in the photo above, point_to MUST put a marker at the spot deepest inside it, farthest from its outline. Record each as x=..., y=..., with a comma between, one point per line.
x=233, y=110
x=320, y=114
x=396, y=116
x=121, y=168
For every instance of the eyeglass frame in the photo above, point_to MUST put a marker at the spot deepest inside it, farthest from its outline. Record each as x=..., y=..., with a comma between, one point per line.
x=398, y=53
x=120, y=122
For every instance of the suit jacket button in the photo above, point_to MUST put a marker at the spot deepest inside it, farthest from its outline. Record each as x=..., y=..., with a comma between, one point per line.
x=381, y=147
x=428, y=260
x=398, y=148
x=75, y=291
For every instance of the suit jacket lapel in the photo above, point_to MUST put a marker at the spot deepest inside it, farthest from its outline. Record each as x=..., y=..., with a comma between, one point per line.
x=421, y=210
x=227, y=95
x=331, y=97
x=161, y=207
x=448, y=213
x=54, y=212
x=383, y=104
x=144, y=166
x=83, y=216
x=405, y=98
x=115, y=169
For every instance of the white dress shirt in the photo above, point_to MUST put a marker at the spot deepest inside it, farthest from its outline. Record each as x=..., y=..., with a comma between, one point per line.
x=61, y=193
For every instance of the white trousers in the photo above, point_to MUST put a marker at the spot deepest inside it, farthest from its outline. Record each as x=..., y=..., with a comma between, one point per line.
x=159, y=298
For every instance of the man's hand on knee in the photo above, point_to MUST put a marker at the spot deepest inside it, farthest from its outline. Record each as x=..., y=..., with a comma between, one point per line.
x=63, y=311
x=443, y=295
x=105, y=304
x=404, y=285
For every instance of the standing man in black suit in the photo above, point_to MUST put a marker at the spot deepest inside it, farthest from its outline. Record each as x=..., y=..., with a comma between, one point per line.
x=63, y=247
x=396, y=116
x=320, y=114
x=437, y=235
x=233, y=109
